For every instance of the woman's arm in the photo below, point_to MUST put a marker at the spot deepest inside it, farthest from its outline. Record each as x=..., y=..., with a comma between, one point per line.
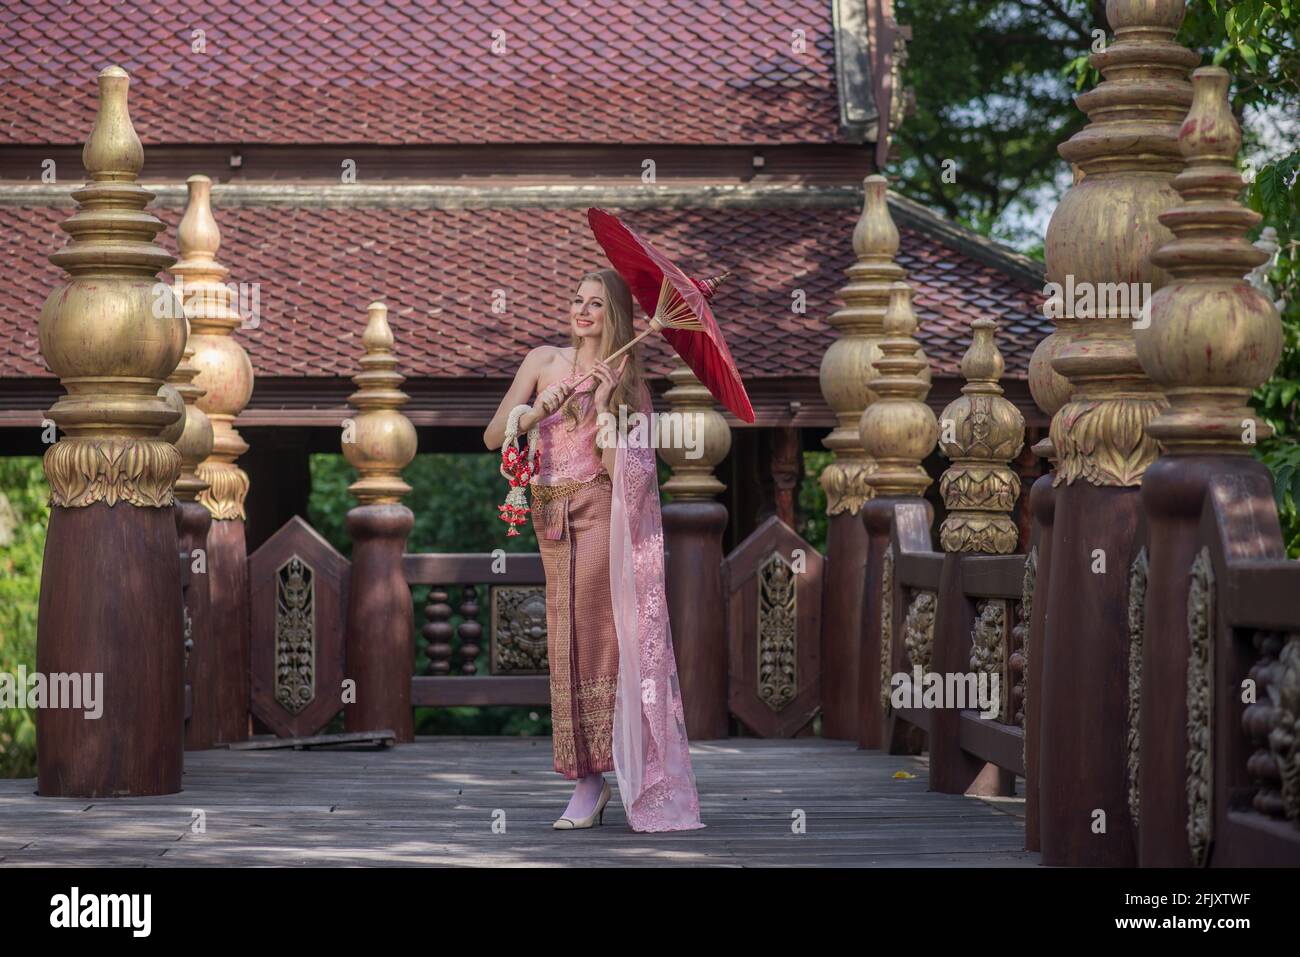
x=606, y=379
x=520, y=391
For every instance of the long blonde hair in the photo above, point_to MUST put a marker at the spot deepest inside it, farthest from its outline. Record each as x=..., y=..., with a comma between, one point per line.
x=615, y=333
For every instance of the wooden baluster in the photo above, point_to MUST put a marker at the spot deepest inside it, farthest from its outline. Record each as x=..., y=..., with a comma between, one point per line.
x=693, y=525
x=437, y=632
x=380, y=645
x=981, y=433
x=470, y=631
x=1257, y=722
x=847, y=375
x=225, y=384
x=1211, y=340
x=1099, y=238
x=898, y=431
x=110, y=583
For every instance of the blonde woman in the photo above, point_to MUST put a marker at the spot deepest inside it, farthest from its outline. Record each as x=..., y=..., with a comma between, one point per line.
x=615, y=702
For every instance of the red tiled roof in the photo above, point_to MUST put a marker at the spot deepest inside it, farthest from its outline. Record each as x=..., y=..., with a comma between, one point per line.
x=439, y=269
x=304, y=71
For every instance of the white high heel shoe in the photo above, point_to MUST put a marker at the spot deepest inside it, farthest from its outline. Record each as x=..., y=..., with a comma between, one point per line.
x=596, y=816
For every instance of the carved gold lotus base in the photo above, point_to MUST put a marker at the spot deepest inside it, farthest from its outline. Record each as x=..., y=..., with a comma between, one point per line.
x=112, y=469
x=1104, y=441
x=227, y=488
x=846, y=486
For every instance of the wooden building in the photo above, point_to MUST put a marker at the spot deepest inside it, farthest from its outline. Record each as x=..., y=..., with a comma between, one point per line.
x=443, y=158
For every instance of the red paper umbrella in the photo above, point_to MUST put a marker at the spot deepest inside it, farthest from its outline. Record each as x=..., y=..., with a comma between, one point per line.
x=678, y=306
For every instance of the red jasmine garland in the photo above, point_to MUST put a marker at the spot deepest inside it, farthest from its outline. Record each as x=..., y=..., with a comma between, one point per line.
x=518, y=466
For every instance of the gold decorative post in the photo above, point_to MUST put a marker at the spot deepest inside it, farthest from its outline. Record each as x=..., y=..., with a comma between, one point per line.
x=693, y=479
x=379, y=443
x=225, y=376
x=384, y=441
x=899, y=429
x=847, y=368
x=898, y=432
x=847, y=375
x=1212, y=340
x=1098, y=251
x=693, y=526
x=112, y=333
x=981, y=433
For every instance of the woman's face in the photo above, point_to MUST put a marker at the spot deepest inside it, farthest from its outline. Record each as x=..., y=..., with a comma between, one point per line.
x=587, y=310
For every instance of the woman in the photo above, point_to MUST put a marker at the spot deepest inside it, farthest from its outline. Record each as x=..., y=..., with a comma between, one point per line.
x=615, y=701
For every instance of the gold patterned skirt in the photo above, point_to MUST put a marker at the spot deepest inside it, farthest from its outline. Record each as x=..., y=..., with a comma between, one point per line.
x=572, y=525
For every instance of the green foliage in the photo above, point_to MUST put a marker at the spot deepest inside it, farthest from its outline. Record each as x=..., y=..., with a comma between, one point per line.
x=994, y=97
x=24, y=514
x=994, y=83
x=811, y=507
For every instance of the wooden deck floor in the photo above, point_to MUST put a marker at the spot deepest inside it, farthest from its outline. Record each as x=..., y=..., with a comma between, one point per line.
x=433, y=802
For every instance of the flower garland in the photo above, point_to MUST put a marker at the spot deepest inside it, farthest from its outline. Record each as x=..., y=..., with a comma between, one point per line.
x=518, y=466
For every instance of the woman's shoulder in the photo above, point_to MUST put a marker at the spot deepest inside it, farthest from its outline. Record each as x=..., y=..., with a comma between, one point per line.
x=549, y=363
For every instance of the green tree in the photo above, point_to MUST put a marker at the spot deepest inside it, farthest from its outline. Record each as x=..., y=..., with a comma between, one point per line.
x=24, y=514
x=994, y=82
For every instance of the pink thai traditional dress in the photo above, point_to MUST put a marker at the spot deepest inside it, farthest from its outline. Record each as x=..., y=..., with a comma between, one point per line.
x=615, y=700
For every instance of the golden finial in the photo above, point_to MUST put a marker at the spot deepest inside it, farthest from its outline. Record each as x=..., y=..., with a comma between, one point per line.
x=225, y=376
x=899, y=429
x=195, y=441
x=981, y=433
x=1099, y=244
x=847, y=372
x=113, y=151
x=381, y=441
x=706, y=439
x=112, y=333
x=1213, y=337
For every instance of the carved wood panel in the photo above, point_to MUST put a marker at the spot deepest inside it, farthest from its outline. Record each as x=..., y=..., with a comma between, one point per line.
x=773, y=587
x=297, y=608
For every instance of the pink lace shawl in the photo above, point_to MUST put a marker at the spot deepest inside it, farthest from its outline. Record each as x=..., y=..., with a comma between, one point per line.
x=651, y=754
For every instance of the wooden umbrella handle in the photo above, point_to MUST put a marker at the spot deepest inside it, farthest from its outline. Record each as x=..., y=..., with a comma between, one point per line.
x=618, y=352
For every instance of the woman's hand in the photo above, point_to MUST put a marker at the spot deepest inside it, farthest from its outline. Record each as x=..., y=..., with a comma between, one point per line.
x=607, y=379
x=548, y=400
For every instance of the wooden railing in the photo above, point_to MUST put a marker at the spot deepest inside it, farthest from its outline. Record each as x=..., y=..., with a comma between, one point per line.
x=502, y=607
x=960, y=619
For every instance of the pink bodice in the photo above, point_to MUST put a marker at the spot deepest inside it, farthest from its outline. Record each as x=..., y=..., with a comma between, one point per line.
x=570, y=455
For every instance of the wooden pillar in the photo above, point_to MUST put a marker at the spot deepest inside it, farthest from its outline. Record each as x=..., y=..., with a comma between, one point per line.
x=226, y=378
x=981, y=433
x=1099, y=239
x=785, y=447
x=898, y=431
x=110, y=602
x=1038, y=572
x=846, y=376
x=693, y=526
x=379, y=443
x=1213, y=338
x=194, y=443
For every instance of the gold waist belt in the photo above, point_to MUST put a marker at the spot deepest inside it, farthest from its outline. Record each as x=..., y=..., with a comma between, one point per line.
x=550, y=493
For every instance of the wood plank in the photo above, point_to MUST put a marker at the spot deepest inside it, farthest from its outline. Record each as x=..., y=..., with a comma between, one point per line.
x=434, y=802
x=993, y=576
x=1003, y=744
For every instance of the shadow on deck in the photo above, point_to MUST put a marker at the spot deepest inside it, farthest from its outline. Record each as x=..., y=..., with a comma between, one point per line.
x=434, y=802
